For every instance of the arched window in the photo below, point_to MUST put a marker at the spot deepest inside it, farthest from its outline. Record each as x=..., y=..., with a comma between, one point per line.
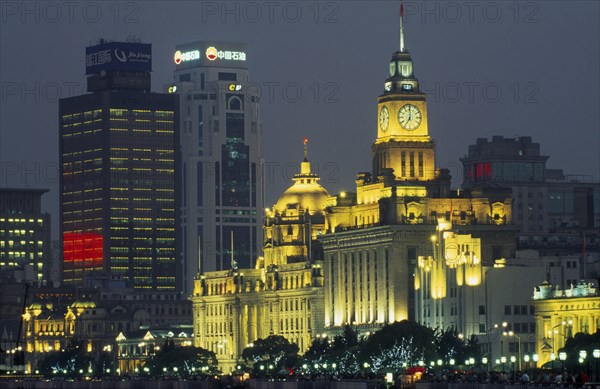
x=234, y=104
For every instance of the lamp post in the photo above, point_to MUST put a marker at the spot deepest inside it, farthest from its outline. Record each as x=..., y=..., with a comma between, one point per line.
x=513, y=359
x=596, y=354
x=562, y=356
x=484, y=361
x=511, y=333
x=582, y=357
x=552, y=358
x=526, y=358
x=503, y=360
x=535, y=358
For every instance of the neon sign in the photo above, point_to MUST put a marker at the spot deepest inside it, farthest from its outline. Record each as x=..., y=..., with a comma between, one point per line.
x=211, y=53
x=180, y=57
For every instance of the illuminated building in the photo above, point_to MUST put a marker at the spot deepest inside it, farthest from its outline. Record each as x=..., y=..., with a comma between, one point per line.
x=370, y=242
x=551, y=208
x=119, y=187
x=283, y=294
x=387, y=255
x=24, y=236
x=134, y=348
x=96, y=318
x=221, y=143
x=562, y=313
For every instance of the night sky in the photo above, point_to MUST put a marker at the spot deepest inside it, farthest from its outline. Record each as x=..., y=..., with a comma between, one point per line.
x=489, y=68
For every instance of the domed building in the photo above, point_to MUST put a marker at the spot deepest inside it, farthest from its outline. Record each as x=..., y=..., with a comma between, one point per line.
x=284, y=294
x=296, y=220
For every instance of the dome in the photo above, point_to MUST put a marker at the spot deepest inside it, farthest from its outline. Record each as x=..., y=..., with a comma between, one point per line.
x=306, y=193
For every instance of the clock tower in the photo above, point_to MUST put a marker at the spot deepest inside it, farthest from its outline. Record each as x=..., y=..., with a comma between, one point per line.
x=403, y=141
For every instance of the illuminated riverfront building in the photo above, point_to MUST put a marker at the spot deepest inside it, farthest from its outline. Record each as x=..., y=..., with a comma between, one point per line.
x=562, y=313
x=24, y=236
x=404, y=245
x=283, y=294
x=95, y=318
x=119, y=189
x=394, y=249
x=221, y=143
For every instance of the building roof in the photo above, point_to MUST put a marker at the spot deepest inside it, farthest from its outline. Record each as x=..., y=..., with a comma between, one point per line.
x=306, y=193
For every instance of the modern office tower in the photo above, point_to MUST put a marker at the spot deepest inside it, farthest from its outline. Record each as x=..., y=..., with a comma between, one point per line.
x=119, y=187
x=24, y=235
x=222, y=157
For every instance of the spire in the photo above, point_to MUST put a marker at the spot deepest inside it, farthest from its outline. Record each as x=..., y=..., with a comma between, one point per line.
x=305, y=149
x=305, y=165
x=401, y=27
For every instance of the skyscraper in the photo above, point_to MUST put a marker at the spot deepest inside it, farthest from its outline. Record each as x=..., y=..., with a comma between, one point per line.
x=24, y=235
x=119, y=189
x=222, y=155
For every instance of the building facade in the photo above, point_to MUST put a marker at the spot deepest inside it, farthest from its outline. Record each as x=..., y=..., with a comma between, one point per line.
x=385, y=256
x=25, y=253
x=283, y=294
x=135, y=348
x=119, y=188
x=96, y=318
x=562, y=313
x=221, y=142
x=553, y=210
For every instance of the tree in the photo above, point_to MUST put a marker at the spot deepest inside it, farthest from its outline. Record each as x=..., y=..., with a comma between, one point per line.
x=274, y=352
x=342, y=351
x=573, y=346
x=71, y=361
x=416, y=341
x=181, y=360
x=449, y=345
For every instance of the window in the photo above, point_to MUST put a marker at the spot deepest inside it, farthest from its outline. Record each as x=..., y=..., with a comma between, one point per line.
x=481, y=328
x=507, y=310
x=482, y=309
x=223, y=76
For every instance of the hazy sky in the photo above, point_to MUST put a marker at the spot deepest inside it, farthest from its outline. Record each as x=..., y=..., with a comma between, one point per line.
x=489, y=68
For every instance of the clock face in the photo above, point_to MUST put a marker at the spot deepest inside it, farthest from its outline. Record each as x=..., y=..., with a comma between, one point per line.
x=409, y=117
x=384, y=118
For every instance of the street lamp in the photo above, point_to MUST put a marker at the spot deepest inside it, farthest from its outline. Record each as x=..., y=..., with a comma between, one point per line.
x=562, y=356
x=511, y=333
x=596, y=354
x=484, y=360
x=582, y=357
x=503, y=360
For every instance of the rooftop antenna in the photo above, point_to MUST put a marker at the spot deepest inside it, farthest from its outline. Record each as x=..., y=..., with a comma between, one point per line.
x=401, y=27
x=233, y=264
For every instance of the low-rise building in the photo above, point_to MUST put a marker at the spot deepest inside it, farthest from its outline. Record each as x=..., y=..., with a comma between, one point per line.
x=561, y=313
x=135, y=348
